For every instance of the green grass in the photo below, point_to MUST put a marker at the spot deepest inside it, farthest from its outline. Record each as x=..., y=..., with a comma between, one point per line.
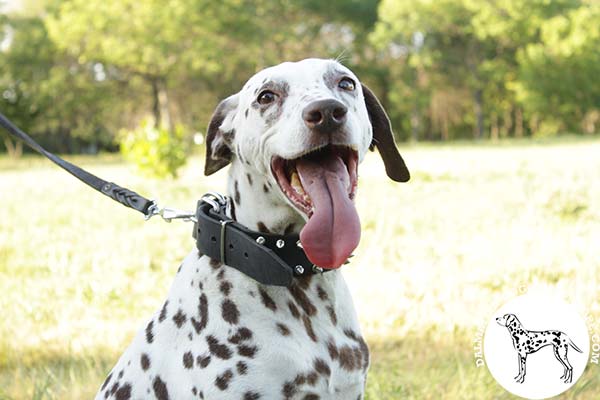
x=79, y=273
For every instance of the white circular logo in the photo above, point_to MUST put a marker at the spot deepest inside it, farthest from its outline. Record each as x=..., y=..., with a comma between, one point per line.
x=536, y=347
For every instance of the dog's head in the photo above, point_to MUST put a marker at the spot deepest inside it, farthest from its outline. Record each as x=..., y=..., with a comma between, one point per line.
x=508, y=320
x=306, y=126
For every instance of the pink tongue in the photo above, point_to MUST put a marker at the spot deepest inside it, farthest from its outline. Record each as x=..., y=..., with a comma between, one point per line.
x=333, y=231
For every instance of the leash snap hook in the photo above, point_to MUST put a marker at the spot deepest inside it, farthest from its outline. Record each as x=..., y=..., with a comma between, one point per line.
x=169, y=214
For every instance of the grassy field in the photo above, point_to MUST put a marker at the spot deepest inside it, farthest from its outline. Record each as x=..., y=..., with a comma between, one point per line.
x=477, y=224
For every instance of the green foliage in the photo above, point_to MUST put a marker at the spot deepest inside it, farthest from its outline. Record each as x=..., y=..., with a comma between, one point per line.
x=156, y=151
x=74, y=72
x=534, y=63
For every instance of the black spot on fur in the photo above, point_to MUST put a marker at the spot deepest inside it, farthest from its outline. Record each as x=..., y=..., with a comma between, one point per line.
x=160, y=389
x=188, y=360
x=267, y=300
x=203, y=361
x=217, y=349
x=311, y=396
x=309, y=328
x=289, y=390
x=283, y=329
x=236, y=193
x=302, y=300
x=242, y=367
x=114, y=388
x=230, y=312
x=225, y=287
x=124, y=392
x=163, y=312
x=241, y=335
x=246, y=113
x=322, y=367
x=332, y=314
x=251, y=396
x=179, y=318
x=312, y=378
x=294, y=310
x=203, y=314
x=333, y=351
x=249, y=179
x=322, y=293
x=347, y=358
x=222, y=381
x=106, y=381
x=265, y=188
x=145, y=361
x=149, y=334
x=214, y=264
x=247, y=351
x=221, y=274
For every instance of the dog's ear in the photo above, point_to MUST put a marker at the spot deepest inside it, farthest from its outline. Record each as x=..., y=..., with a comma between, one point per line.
x=219, y=136
x=383, y=138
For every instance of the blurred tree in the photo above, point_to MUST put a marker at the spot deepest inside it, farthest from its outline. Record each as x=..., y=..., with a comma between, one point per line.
x=437, y=40
x=48, y=93
x=558, y=76
x=26, y=59
x=73, y=72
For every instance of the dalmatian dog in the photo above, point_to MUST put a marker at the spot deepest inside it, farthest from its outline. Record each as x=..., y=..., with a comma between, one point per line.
x=528, y=342
x=293, y=138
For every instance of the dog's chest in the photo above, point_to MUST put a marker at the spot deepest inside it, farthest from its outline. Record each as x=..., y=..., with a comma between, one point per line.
x=220, y=335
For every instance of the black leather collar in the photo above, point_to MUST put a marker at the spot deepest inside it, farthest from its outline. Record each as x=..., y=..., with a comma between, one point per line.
x=267, y=258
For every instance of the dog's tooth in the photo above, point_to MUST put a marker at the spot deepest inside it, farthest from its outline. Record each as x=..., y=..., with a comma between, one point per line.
x=296, y=184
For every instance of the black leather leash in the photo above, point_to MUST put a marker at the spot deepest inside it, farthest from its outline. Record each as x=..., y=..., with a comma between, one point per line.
x=267, y=258
x=124, y=196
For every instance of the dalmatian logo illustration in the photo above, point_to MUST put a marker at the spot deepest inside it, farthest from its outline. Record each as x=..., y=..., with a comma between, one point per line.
x=528, y=342
x=536, y=345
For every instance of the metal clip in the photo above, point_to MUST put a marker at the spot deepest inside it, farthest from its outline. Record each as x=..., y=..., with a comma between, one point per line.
x=169, y=214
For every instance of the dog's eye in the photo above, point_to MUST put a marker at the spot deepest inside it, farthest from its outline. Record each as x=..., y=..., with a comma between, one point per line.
x=266, y=97
x=347, y=84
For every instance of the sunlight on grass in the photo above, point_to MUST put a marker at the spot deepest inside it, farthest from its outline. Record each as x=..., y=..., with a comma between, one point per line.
x=79, y=273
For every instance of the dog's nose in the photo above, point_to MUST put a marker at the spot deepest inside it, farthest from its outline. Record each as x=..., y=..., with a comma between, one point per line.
x=324, y=115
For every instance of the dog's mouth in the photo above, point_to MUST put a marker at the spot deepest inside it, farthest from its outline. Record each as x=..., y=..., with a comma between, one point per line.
x=322, y=185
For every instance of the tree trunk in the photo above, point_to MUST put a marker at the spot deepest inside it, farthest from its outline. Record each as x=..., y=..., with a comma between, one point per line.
x=478, y=103
x=445, y=129
x=414, y=123
x=160, y=104
x=519, y=123
x=494, y=128
x=507, y=123
x=156, y=103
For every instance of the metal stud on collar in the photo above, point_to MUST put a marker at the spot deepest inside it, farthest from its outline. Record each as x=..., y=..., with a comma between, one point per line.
x=260, y=240
x=299, y=269
x=317, y=269
x=280, y=243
